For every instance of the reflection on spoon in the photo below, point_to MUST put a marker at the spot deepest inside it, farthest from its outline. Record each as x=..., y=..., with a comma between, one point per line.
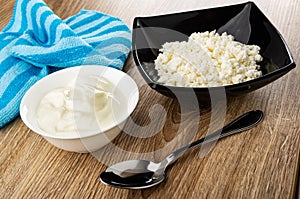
x=139, y=174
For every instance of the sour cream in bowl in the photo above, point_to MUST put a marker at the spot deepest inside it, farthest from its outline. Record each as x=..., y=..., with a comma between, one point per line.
x=80, y=109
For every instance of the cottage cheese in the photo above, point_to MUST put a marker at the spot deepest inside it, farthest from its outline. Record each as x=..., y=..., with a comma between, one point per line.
x=206, y=60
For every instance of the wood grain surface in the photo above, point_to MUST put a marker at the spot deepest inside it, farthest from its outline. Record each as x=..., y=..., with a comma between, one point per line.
x=260, y=163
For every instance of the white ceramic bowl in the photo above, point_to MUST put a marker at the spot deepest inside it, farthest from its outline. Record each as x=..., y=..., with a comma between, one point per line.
x=91, y=140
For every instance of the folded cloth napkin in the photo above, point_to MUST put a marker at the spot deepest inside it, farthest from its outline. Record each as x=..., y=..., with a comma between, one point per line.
x=36, y=42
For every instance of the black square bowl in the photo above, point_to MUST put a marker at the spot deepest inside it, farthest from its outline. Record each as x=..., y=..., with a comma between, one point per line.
x=244, y=21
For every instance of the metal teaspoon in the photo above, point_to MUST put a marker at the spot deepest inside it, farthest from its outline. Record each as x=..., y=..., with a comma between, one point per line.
x=139, y=174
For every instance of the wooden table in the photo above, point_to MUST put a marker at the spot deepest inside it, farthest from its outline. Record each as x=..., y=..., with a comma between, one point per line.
x=261, y=163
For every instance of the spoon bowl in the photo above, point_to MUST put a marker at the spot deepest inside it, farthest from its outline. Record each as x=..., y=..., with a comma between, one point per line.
x=140, y=174
x=132, y=174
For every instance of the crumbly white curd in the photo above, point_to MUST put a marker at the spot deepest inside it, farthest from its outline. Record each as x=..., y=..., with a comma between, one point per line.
x=77, y=108
x=207, y=59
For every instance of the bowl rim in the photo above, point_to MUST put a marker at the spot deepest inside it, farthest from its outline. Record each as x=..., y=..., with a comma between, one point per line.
x=154, y=84
x=86, y=134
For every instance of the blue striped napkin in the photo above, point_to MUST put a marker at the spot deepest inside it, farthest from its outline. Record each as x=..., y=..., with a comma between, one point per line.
x=36, y=42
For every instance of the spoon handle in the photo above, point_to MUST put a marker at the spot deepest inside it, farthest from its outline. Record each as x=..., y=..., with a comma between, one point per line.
x=242, y=123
